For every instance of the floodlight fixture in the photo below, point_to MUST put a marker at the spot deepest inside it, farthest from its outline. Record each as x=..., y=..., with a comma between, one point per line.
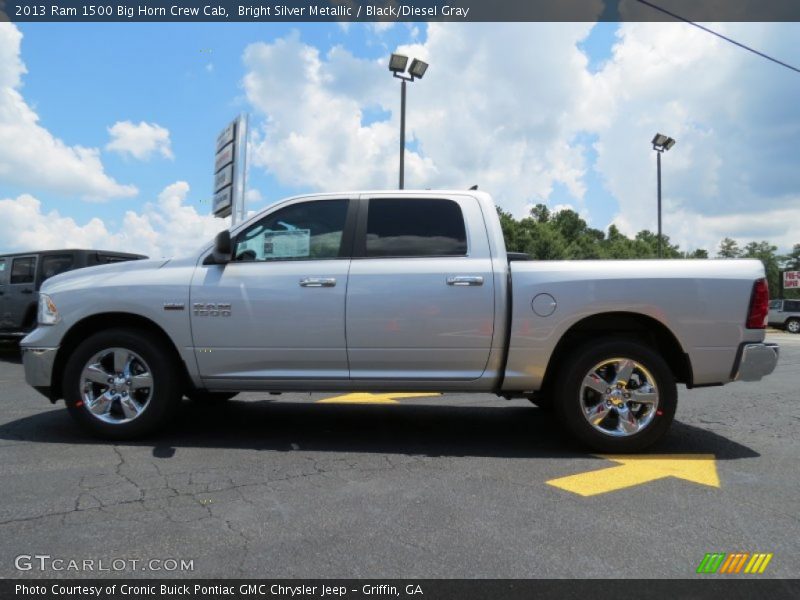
x=661, y=143
x=417, y=68
x=397, y=63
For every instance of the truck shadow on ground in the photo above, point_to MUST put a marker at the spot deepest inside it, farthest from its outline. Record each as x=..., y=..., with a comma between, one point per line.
x=410, y=429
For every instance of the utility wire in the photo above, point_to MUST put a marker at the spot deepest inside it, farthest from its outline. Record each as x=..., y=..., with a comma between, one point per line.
x=719, y=35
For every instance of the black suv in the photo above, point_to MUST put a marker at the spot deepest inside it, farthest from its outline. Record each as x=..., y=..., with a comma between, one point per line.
x=21, y=276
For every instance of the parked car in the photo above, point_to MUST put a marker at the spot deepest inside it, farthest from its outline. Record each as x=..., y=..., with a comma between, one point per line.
x=397, y=291
x=785, y=314
x=21, y=276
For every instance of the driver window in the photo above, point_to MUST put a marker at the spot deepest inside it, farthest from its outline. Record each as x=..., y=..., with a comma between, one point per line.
x=303, y=231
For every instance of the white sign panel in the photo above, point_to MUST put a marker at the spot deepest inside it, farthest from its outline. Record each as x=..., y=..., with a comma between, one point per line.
x=223, y=178
x=226, y=137
x=791, y=280
x=222, y=202
x=224, y=157
x=287, y=244
x=230, y=170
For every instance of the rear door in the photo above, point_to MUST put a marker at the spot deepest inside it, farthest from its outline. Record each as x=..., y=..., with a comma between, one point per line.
x=20, y=296
x=420, y=298
x=774, y=315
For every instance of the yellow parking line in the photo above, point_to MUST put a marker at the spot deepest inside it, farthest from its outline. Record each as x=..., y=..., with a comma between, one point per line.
x=368, y=398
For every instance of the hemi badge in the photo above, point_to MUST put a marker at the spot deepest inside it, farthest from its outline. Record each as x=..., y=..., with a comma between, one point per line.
x=174, y=306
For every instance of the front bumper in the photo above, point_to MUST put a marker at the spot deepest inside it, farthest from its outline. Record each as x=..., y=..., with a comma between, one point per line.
x=39, y=366
x=757, y=361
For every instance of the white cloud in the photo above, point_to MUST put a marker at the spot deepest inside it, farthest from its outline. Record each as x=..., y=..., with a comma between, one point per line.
x=734, y=168
x=253, y=196
x=507, y=106
x=139, y=141
x=166, y=227
x=485, y=113
x=30, y=155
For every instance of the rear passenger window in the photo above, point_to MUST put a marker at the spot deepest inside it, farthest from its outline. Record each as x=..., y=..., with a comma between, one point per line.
x=791, y=306
x=55, y=264
x=23, y=269
x=408, y=228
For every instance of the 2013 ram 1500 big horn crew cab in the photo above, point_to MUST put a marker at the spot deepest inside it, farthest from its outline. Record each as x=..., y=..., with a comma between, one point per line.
x=397, y=291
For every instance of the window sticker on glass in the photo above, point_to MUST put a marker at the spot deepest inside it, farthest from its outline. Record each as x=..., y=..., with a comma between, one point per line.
x=295, y=243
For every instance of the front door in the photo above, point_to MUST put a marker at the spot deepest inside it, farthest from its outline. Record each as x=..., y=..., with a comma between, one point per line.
x=277, y=311
x=420, y=300
x=20, y=294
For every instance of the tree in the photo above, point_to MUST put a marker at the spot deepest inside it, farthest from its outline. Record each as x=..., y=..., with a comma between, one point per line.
x=728, y=248
x=699, y=253
x=766, y=253
x=540, y=213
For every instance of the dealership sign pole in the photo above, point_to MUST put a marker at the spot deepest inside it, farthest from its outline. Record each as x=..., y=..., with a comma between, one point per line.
x=230, y=171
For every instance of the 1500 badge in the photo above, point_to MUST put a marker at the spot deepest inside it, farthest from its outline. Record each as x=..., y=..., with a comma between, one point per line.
x=201, y=309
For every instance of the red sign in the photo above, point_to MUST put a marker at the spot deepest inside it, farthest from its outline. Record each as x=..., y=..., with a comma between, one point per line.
x=791, y=280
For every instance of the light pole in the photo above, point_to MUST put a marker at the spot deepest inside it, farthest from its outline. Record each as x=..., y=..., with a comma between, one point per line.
x=397, y=65
x=661, y=143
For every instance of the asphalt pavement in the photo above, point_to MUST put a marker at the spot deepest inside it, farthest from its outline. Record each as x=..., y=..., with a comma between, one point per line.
x=416, y=487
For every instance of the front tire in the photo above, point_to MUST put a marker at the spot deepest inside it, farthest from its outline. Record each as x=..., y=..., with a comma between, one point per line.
x=793, y=325
x=119, y=384
x=616, y=396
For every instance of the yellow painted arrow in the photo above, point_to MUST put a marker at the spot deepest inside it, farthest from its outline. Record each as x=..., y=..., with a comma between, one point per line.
x=367, y=398
x=638, y=469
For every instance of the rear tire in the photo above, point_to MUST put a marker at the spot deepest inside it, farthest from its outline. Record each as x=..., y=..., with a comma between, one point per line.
x=119, y=384
x=793, y=325
x=616, y=396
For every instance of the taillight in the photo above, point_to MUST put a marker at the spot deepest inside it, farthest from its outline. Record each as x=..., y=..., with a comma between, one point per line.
x=759, y=305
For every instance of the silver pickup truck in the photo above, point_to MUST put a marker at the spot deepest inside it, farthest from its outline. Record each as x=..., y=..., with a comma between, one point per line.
x=397, y=291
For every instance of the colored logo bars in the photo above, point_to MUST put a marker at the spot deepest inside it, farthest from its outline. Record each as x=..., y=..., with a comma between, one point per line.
x=737, y=562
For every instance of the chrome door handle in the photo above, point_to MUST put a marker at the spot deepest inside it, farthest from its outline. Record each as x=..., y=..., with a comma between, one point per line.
x=318, y=282
x=462, y=280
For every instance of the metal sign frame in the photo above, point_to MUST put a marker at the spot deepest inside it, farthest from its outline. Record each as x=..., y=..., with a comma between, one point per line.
x=230, y=171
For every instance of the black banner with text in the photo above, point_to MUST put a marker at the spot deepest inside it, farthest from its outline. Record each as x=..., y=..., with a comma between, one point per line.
x=398, y=10
x=423, y=589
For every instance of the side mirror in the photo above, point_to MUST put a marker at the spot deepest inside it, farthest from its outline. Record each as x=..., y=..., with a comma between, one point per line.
x=223, y=248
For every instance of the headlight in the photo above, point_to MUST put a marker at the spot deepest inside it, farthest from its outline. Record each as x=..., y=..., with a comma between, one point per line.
x=48, y=313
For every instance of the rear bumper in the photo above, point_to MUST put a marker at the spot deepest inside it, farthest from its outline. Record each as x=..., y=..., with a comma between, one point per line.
x=756, y=361
x=39, y=366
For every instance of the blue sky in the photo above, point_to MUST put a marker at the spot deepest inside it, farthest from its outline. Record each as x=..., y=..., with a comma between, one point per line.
x=555, y=113
x=83, y=77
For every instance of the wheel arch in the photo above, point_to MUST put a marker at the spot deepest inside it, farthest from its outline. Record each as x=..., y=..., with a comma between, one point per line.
x=625, y=325
x=109, y=320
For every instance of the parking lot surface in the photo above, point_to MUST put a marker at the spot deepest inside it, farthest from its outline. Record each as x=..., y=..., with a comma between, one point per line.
x=382, y=486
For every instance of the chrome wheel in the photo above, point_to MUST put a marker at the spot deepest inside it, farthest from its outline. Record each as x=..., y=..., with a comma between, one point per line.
x=793, y=326
x=619, y=397
x=116, y=385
